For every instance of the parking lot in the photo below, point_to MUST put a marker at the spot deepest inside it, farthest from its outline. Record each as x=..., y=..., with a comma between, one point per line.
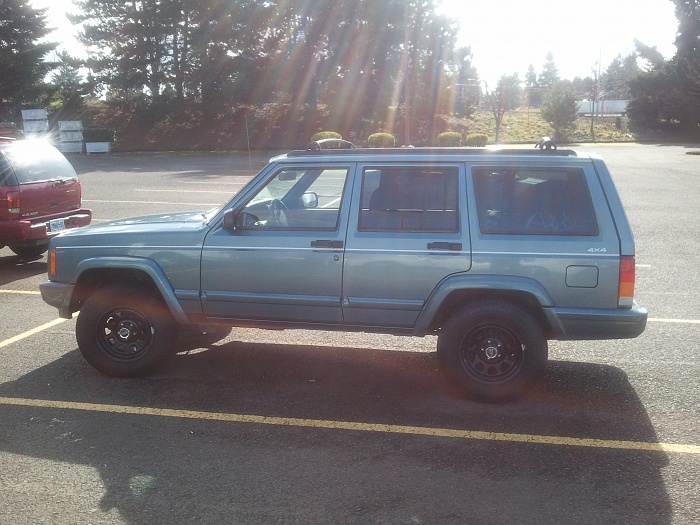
x=318, y=427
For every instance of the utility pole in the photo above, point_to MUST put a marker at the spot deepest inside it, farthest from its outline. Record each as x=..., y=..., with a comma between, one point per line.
x=406, y=81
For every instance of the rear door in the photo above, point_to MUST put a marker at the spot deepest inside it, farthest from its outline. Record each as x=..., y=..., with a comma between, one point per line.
x=407, y=232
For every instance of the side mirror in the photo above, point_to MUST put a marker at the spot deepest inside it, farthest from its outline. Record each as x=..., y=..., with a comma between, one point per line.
x=309, y=199
x=229, y=221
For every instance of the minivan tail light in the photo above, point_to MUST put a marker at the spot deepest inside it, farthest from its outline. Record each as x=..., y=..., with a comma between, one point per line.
x=12, y=201
x=627, y=275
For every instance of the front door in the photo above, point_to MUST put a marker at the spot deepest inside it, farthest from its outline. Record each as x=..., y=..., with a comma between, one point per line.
x=284, y=261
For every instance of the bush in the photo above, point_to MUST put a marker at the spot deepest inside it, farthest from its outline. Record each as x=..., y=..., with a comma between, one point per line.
x=477, y=140
x=450, y=139
x=326, y=135
x=381, y=140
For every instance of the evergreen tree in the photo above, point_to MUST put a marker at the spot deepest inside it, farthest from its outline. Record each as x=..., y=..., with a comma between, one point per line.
x=550, y=73
x=22, y=54
x=559, y=108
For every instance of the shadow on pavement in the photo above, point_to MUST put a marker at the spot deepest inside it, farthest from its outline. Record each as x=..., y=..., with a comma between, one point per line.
x=177, y=470
x=13, y=268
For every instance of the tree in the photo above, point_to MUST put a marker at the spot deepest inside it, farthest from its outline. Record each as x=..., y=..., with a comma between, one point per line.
x=661, y=95
x=559, y=108
x=615, y=80
x=550, y=73
x=532, y=88
x=22, y=53
x=688, y=41
x=500, y=99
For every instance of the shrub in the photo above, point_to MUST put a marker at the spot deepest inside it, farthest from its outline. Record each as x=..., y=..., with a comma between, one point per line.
x=326, y=135
x=449, y=139
x=381, y=140
x=477, y=140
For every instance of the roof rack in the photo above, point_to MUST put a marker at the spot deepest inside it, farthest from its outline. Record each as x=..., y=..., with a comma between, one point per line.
x=433, y=152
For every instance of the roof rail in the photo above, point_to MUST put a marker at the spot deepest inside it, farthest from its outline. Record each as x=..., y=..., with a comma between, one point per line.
x=428, y=151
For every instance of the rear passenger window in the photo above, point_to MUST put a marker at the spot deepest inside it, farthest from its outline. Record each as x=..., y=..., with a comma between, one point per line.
x=533, y=201
x=409, y=199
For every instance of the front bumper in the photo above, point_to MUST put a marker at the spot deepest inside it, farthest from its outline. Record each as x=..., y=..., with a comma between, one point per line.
x=58, y=295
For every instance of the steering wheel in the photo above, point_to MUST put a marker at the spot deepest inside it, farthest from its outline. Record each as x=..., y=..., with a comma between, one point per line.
x=279, y=213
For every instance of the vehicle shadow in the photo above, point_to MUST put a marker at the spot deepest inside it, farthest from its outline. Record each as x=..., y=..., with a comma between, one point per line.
x=13, y=267
x=171, y=469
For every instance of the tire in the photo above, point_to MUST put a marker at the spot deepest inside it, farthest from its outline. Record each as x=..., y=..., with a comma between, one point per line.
x=123, y=332
x=493, y=350
x=29, y=250
x=200, y=336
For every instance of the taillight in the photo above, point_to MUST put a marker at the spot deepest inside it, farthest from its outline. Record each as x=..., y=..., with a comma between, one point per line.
x=626, y=294
x=12, y=201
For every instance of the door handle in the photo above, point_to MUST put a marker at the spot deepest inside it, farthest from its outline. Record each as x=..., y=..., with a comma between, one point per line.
x=451, y=246
x=322, y=243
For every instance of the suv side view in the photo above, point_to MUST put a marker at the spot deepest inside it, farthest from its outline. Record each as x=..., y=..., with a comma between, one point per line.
x=494, y=251
x=40, y=196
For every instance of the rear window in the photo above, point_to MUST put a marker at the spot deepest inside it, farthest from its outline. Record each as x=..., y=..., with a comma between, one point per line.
x=533, y=201
x=36, y=162
x=6, y=175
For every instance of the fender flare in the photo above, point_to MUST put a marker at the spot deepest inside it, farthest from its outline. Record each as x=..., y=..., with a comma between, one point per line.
x=142, y=264
x=466, y=282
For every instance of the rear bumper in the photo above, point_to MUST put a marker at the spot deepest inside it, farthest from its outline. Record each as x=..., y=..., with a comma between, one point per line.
x=31, y=232
x=587, y=323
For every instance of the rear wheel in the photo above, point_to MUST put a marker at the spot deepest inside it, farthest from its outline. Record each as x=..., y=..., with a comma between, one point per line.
x=29, y=250
x=124, y=332
x=493, y=350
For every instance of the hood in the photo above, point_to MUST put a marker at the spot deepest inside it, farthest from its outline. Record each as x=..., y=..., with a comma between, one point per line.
x=174, y=223
x=177, y=217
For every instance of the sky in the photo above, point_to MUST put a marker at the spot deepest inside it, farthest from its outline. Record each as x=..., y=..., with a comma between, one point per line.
x=506, y=36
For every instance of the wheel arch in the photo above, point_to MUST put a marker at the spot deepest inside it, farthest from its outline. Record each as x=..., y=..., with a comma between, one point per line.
x=93, y=274
x=456, y=293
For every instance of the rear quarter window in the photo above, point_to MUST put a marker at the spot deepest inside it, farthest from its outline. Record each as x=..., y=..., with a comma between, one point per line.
x=7, y=176
x=33, y=162
x=533, y=201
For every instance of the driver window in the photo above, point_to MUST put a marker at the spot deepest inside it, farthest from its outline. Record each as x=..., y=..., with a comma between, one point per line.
x=306, y=198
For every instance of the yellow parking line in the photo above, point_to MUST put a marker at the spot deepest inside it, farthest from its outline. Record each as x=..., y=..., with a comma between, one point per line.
x=677, y=321
x=362, y=427
x=31, y=332
x=21, y=292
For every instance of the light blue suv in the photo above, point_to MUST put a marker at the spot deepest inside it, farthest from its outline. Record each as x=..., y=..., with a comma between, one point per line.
x=494, y=251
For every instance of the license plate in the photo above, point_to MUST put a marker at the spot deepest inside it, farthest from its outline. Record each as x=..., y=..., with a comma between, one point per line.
x=56, y=225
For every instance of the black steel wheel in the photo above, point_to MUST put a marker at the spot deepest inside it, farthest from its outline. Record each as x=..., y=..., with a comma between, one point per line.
x=123, y=332
x=492, y=349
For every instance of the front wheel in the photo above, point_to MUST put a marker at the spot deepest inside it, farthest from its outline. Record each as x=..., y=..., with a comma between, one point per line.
x=493, y=350
x=123, y=332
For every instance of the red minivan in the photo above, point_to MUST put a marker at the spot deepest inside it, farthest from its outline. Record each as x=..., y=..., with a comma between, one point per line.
x=40, y=196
